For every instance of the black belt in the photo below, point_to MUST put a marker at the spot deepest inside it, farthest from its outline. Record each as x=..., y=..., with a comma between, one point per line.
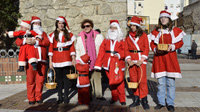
x=114, y=52
x=135, y=51
x=84, y=75
x=61, y=49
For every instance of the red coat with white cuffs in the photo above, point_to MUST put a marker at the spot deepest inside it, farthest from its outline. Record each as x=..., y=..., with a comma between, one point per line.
x=104, y=58
x=40, y=46
x=137, y=44
x=166, y=64
x=83, y=69
x=60, y=57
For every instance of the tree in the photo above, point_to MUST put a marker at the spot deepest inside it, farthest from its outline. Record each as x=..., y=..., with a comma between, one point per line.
x=9, y=14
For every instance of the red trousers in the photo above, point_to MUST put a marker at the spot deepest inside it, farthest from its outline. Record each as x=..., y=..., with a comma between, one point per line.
x=84, y=95
x=27, y=52
x=135, y=74
x=118, y=91
x=35, y=80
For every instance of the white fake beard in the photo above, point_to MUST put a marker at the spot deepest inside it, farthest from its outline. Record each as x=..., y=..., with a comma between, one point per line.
x=112, y=34
x=38, y=29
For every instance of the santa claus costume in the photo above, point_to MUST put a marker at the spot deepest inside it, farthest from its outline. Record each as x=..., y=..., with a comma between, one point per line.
x=111, y=58
x=136, y=52
x=61, y=54
x=83, y=81
x=165, y=65
x=27, y=51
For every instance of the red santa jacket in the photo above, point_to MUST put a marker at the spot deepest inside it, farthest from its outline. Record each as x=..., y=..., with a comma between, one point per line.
x=133, y=45
x=61, y=52
x=167, y=64
x=40, y=45
x=108, y=49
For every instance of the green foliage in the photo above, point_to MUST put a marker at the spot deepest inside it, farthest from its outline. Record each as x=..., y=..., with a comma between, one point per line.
x=9, y=14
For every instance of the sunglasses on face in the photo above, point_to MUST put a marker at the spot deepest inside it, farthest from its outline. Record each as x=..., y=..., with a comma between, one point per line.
x=86, y=26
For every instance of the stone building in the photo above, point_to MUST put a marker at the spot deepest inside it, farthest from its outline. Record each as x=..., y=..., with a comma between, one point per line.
x=189, y=20
x=100, y=11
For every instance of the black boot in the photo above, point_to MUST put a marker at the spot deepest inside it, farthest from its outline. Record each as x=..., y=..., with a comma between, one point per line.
x=34, y=65
x=123, y=103
x=21, y=69
x=112, y=101
x=60, y=100
x=159, y=106
x=31, y=102
x=170, y=108
x=136, y=102
x=39, y=101
x=145, y=104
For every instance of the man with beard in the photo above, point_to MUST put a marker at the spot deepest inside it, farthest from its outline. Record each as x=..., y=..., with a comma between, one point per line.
x=35, y=79
x=111, y=56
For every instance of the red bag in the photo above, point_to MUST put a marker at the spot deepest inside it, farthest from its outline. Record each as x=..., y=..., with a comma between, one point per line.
x=116, y=75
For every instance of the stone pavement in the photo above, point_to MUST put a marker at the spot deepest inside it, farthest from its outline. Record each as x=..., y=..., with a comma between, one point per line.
x=13, y=97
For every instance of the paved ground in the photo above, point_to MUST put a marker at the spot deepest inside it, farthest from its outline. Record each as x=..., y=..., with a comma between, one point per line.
x=13, y=97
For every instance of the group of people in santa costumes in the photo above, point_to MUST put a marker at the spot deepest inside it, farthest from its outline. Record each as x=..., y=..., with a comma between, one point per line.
x=92, y=53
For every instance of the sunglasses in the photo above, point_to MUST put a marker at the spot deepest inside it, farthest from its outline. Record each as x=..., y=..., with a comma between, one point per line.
x=86, y=26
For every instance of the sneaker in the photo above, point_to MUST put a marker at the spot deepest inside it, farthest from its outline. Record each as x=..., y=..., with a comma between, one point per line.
x=170, y=108
x=158, y=107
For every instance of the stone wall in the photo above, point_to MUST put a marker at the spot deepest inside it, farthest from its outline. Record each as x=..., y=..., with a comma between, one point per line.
x=190, y=18
x=100, y=11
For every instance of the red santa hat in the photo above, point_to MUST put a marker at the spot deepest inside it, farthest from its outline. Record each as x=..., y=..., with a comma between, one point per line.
x=136, y=21
x=26, y=24
x=164, y=13
x=84, y=59
x=114, y=21
x=62, y=19
x=35, y=19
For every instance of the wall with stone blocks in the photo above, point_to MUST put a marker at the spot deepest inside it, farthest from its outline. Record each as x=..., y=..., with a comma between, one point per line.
x=100, y=11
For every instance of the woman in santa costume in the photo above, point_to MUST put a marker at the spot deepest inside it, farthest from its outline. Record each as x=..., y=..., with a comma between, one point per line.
x=83, y=81
x=136, y=54
x=27, y=50
x=62, y=56
x=110, y=57
x=165, y=65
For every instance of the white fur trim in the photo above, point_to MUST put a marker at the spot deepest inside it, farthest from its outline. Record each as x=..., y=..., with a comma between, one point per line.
x=36, y=20
x=118, y=55
x=97, y=67
x=123, y=69
x=154, y=50
x=164, y=15
x=81, y=86
x=72, y=53
x=82, y=62
x=51, y=38
x=60, y=19
x=62, y=64
x=38, y=36
x=146, y=57
x=151, y=36
x=36, y=42
x=25, y=24
x=39, y=53
x=50, y=53
x=178, y=38
x=127, y=57
x=168, y=74
x=24, y=41
x=32, y=60
x=64, y=44
x=135, y=61
x=133, y=23
x=22, y=63
x=11, y=34
x=173, y=47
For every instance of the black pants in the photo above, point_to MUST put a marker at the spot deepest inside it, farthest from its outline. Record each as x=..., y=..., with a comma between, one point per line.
x=63, y=82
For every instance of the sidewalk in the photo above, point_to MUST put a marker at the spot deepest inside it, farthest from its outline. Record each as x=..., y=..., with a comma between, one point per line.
x=13, y=97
